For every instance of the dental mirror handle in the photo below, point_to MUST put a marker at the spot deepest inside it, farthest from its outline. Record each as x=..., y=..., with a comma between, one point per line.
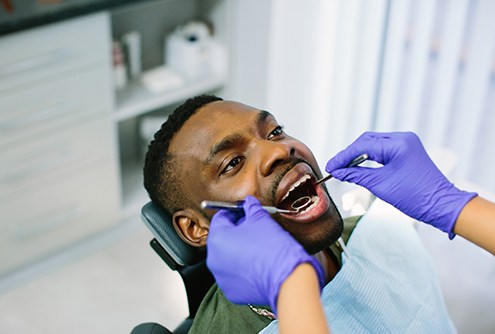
x=238, y=206
x=356, y=161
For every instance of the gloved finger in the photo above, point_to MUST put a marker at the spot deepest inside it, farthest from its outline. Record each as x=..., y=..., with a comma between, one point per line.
x=344, y=157
x=371, y=143
x=363, y=176
x=224, y=218
x=380, y=147
x=222, y=224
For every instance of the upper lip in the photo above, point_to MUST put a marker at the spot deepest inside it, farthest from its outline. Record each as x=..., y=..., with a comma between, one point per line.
x=291, y=177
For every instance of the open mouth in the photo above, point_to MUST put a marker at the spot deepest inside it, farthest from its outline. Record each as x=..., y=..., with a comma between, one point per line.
x=302, y=196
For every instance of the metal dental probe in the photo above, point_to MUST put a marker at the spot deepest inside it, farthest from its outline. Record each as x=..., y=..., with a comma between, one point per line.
x=271, y=209
x=356, y=161
x=238, y=206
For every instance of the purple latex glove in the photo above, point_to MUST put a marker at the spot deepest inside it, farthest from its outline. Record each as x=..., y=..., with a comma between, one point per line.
x=251, y=255
x=408, y=180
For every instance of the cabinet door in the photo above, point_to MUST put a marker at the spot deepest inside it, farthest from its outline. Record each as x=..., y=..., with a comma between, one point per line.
x=42, y=110
x=54, y=215
x=51, y=51
x=26, y=165
x=59, y=180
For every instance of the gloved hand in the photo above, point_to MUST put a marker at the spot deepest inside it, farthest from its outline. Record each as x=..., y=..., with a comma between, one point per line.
x=408, y=180
x=251, y=255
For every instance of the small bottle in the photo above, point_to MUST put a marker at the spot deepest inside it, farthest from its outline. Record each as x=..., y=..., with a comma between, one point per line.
x=119, y=70
x=132, y=53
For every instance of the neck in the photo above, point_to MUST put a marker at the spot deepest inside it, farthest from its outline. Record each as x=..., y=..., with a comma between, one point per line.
x=330, y=268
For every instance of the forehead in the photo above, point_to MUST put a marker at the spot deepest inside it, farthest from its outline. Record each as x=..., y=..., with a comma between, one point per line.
x=210, y=124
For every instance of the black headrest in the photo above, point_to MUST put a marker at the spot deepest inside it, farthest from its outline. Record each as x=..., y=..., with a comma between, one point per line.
x=160, y=224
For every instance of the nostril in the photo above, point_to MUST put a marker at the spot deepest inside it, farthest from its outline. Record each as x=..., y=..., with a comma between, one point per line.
x=275, y=164
x=274, y=154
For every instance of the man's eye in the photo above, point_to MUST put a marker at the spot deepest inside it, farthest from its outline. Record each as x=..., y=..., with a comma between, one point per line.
x=279, y=130
x=232, y=164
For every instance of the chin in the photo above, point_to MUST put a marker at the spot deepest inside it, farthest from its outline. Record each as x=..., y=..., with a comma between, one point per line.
x=316, y=223
x=324, y=238
x=319, y=234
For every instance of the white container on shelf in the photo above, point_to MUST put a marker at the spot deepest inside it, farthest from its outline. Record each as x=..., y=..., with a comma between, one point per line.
x=188, y=50
x=132, y=49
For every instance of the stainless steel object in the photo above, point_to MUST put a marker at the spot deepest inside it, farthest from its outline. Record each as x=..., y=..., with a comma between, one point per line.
x=238, y=206
x=356, y=161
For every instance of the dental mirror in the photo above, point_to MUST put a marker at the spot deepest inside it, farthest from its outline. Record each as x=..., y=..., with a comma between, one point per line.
x=300, y=203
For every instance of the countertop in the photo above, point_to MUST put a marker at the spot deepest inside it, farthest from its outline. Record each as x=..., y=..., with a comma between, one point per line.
x=17, y=15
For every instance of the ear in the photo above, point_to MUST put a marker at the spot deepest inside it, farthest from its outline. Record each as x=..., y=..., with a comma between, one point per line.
x=191, y=226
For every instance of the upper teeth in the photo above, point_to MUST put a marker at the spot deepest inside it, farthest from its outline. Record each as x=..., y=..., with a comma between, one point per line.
x=295, y=185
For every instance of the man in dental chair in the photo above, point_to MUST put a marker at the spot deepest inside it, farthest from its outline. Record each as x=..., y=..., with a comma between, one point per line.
x=210, y=149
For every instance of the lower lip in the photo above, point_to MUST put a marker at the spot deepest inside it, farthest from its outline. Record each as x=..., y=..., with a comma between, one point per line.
x=316, y=212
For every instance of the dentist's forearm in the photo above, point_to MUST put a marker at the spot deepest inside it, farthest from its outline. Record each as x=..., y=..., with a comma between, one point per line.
x=298, y=304
x=476, y=223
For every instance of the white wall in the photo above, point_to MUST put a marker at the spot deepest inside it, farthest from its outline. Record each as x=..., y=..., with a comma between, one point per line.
x=438, y=80
x=324, y=59
x=300, y=66
x=250, y=40
x=339, y=67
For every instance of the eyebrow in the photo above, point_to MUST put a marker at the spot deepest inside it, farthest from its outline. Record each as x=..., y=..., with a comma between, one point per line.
x=233, y=139
x=262, y=116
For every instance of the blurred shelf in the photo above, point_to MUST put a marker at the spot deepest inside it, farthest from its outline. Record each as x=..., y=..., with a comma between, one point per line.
x=135, y=99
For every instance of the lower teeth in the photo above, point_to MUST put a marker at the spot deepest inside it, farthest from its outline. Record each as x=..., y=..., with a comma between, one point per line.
x=305, y=203
x=300, y=203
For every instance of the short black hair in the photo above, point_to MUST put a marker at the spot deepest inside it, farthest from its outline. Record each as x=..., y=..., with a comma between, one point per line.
x=160, y=178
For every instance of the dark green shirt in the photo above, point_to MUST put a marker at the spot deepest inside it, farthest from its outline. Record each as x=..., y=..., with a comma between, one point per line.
x=217, y=315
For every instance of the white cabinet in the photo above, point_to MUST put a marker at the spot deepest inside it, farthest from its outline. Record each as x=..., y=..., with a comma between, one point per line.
x=70, y=153
x=51, y=216
x=58, y=165
x=44, y=105
x=54, y=51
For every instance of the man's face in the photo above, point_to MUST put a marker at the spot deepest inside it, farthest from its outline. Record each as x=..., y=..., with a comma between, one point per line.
x=228, y=150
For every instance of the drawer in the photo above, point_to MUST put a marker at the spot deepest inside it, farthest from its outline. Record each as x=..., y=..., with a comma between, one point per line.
x=43, y=109
x=25, y=165
x=50, y=51
x=52, y=217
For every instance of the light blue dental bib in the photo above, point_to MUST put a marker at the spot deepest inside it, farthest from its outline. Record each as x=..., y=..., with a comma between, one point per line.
x=387, y=285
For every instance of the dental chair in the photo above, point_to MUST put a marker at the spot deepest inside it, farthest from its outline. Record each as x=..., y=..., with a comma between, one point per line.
x=188, y=261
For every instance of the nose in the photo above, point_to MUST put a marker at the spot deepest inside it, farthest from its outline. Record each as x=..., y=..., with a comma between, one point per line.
x=273, y=154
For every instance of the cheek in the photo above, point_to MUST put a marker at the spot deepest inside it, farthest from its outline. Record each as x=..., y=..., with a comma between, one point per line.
x=235, y=188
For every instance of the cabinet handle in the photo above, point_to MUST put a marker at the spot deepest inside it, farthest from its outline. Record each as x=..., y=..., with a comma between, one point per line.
x=37, y=116
x=29, y=64
x=52, y=220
